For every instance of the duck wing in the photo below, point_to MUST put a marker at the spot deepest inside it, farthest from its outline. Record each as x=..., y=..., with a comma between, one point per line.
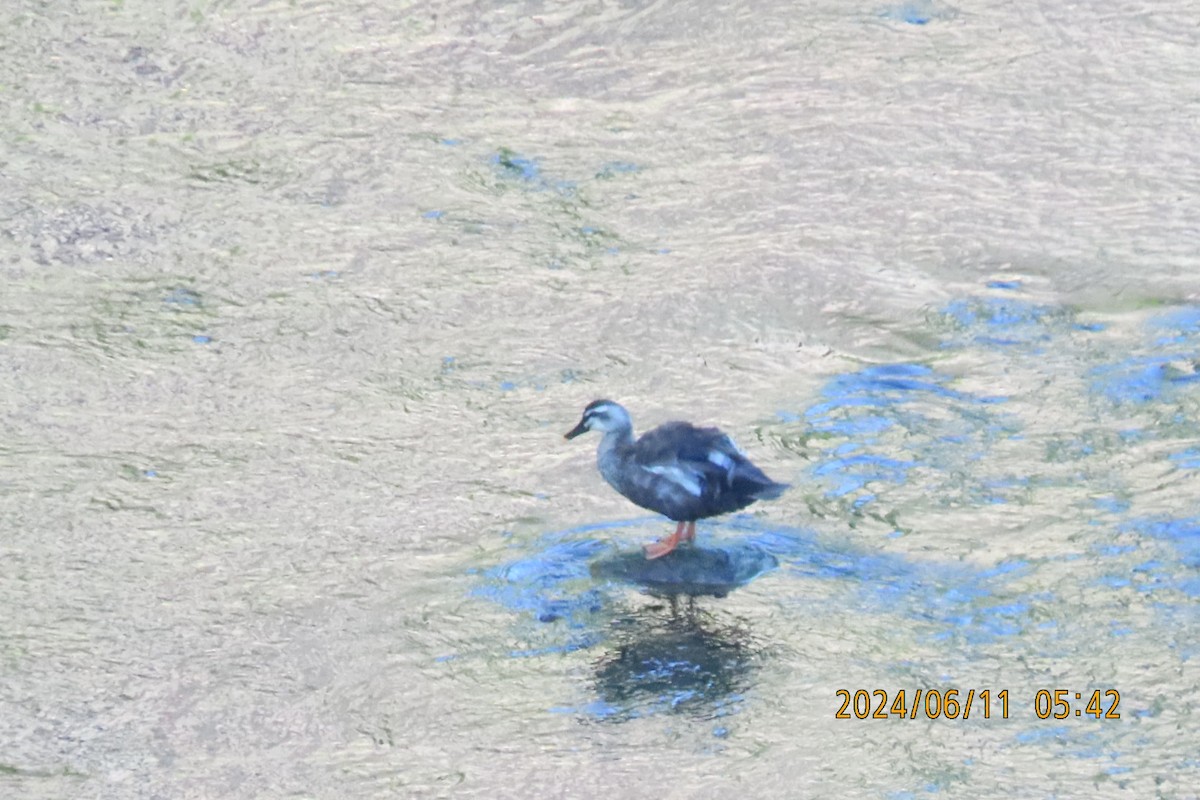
x=701, y=470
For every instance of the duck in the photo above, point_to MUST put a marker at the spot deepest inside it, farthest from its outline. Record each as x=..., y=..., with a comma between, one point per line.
x=681, y=471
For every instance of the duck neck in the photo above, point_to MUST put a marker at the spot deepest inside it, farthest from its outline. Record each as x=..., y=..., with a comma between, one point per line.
x=611, y=451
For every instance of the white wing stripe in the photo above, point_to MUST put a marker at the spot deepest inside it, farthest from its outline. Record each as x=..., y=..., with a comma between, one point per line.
x=680, y=477
x=720, y=459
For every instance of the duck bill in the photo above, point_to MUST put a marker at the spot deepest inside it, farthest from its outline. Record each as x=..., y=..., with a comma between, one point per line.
x=578, y=429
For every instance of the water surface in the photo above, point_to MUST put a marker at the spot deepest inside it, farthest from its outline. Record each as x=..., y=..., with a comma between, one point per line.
x=299, y=299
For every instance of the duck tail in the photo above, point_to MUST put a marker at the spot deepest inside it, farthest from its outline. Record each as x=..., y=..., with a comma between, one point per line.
x=770, y=490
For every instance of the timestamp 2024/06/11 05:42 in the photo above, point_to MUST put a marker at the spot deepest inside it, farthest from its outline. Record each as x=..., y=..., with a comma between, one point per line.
x=959, y=704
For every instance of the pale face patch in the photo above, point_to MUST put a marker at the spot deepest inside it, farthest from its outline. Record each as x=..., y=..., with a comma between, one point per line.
x=605, y=418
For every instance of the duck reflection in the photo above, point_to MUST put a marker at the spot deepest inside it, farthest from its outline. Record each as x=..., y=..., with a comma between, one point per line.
x=689, y=661
x=689, y=571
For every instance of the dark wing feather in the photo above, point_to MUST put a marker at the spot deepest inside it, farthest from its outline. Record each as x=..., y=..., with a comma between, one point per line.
x=677, y=441
x=726, y=478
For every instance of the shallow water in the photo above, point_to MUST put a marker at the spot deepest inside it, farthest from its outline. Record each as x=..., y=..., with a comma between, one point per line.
x=299, y=299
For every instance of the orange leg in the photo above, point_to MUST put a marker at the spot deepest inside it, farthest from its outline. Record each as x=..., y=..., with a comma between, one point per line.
x=663, y=546
x=690, y=536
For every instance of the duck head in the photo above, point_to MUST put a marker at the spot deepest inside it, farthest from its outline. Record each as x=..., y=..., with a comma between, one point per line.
x=603, y=416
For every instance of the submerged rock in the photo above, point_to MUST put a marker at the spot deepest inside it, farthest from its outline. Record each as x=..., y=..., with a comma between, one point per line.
x=690, y=571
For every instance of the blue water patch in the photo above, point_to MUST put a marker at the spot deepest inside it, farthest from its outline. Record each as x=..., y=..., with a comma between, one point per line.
x=1182, y=534
x=1175, y=568
x=1184, y=321
x=182, y=296
x=857, y=471
x=527, y=170
x=1186, y=459
x=552, y=583
x=1111, y=505
x=1003, y=322
x=955, y=602
x=917, y=12
x=1140, y=379
x=515, y=165
x=451, y=368
x=1059, y=733
x=537, y=383
x=1162, y=367
x=882, y=424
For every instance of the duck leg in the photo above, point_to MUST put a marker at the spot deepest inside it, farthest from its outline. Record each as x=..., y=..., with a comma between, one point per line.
x=690, y=536
x=665, y=545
